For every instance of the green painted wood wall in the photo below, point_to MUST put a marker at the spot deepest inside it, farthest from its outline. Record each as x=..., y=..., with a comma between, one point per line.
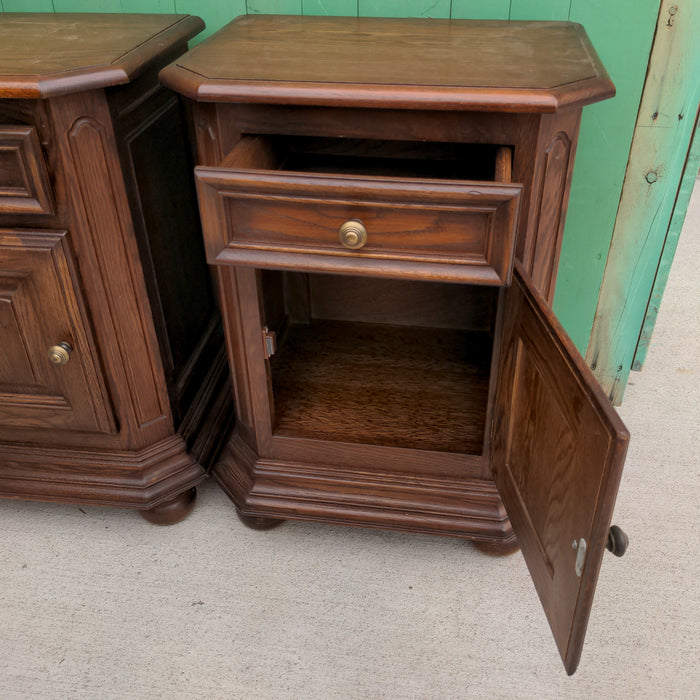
x=652, y=205
x=622, y=32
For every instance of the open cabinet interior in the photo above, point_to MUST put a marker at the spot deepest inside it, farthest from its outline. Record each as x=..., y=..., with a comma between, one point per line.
x=396, y=363
x=376, y=157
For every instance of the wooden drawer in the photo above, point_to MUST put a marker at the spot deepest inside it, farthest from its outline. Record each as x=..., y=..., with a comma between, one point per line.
x=24, y=180
x=281, y=204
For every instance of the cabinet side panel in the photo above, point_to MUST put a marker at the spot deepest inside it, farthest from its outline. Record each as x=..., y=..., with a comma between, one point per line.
x=158, y=175
x=105, y=241
x=542, y=222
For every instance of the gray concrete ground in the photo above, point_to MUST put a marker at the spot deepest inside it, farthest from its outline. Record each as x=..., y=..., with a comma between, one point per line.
x=97, y=603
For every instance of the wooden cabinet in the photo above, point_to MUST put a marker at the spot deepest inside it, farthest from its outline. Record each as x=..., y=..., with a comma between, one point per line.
x=113, y=378
x=383, y=202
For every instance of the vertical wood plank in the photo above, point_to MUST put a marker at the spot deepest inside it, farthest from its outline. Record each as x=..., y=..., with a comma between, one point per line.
x=685, y=190
x=87, y=6
x=144, y=6
x=540, y=9
x=339, y=8
x=215, y=14
x=622, y=33
x=27, y=5
x=273, y=7
x=480, y=9
x=659, y=150
x=404, y=8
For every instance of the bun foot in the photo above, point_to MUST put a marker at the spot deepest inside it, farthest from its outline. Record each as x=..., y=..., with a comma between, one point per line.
x=256, y=522
x=494, y=548
x=173, y=511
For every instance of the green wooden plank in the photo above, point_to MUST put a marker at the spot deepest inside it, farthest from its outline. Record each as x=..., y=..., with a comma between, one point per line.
x=540, y=9
x=661, y=142
x=273, y=7
x=685, y=190
x=87, y=5
x=215, y=14
x=622, y=33
x=479, y=9
x=338, y=8
x=593, y=185
x=146, y=6
x=404, y=8
x=28, y=5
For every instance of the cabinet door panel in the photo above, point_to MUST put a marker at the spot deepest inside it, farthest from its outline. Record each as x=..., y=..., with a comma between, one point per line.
x=558, y=452
x=40, y=308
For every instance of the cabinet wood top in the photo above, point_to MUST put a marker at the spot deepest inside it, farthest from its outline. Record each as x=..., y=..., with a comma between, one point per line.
x=401, y=63
x=43, y=55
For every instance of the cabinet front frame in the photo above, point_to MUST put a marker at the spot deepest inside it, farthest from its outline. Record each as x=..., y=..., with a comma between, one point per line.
x=254, y=398
x=219, y=127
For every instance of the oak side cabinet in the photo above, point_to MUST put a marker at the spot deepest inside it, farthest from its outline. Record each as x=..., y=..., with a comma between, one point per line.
x=383, y=203
x=114, y=385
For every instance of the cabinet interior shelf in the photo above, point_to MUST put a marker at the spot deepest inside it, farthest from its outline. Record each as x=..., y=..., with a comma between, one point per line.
x=380, y=384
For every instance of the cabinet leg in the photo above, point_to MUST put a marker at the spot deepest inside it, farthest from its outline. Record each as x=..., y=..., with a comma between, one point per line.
x=256, y=522
x=173, y=511
x=494, y=548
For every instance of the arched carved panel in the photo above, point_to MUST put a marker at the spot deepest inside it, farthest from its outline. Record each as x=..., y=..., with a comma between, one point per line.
x=551, y=212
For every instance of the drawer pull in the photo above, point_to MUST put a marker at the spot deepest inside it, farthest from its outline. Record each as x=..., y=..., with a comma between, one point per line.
x=60, y=354
x=617, y=542
x=353, y=234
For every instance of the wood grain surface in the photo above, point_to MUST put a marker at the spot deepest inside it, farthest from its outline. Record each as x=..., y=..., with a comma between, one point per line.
x=38, y=282
x=51, y=54
x=367, y=495
x=394, y=62
x=419, y=388
x=558, y=452
x=445, y=229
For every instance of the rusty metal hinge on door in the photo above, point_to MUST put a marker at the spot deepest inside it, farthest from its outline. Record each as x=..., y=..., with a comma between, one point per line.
x=269, y=342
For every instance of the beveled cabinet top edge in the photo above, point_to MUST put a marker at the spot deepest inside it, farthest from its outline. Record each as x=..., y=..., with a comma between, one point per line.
x=45, y=55
x=394, y=63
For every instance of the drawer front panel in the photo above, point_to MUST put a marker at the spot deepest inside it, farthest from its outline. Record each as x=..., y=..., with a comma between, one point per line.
x=434, y=229
x=24, y=180
x=49, y=373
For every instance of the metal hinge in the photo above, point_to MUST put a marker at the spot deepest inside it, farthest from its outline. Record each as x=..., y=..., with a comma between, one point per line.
x=580, y=548
x=269, y=342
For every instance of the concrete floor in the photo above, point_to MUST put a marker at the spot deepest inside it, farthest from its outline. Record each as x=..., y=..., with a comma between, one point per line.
x=97, y=603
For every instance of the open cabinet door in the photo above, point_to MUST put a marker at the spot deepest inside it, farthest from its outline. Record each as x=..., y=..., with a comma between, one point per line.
x=558, y=452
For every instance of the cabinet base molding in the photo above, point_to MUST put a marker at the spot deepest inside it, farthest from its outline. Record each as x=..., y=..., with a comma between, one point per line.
x=269, y=488
x=135, y=479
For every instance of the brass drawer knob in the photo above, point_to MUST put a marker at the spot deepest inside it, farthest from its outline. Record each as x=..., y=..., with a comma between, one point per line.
x=353, y=234
x=60, y=354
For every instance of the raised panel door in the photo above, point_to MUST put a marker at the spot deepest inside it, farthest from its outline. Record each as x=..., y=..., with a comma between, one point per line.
x=558, y=452
x=41, y=316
